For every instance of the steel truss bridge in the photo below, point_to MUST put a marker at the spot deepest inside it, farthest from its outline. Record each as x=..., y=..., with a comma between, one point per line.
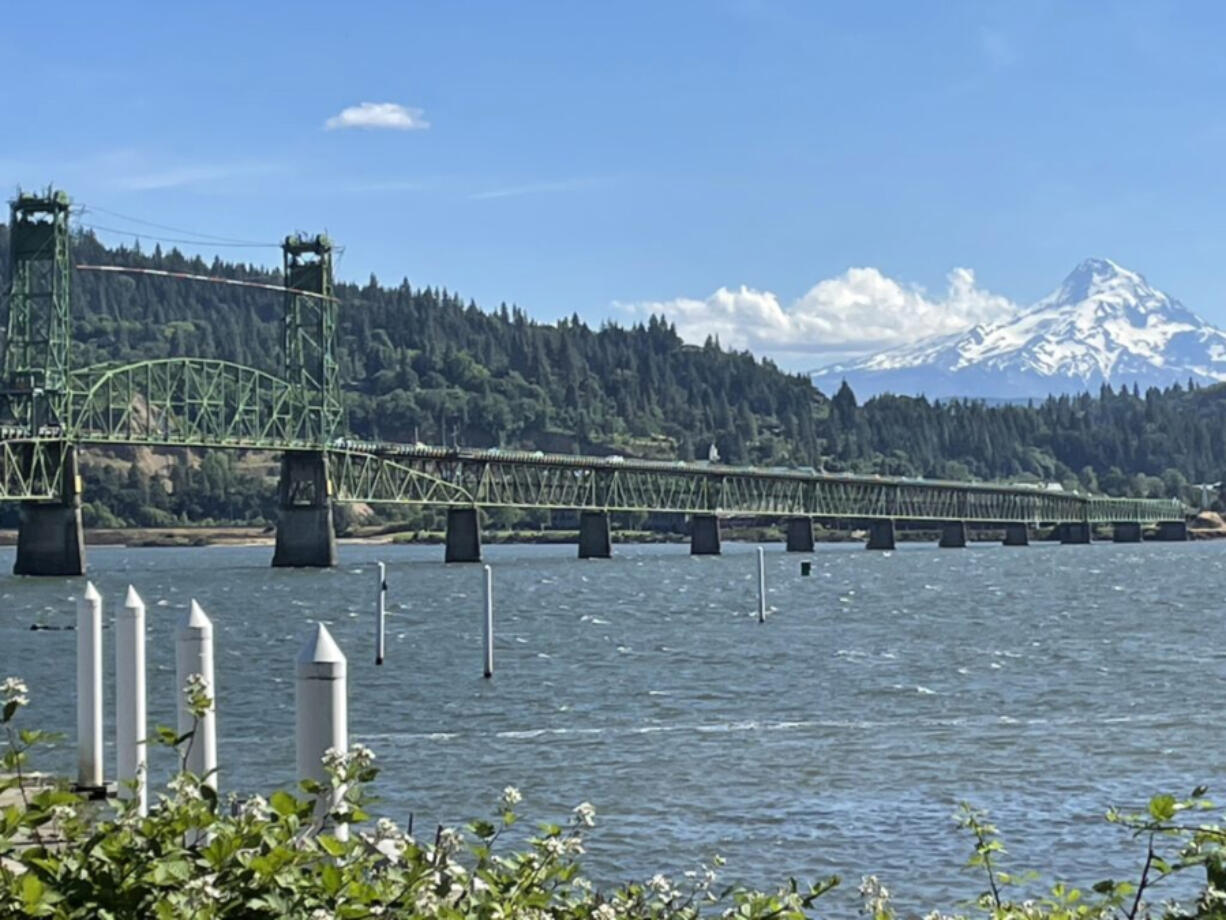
x=50, y=409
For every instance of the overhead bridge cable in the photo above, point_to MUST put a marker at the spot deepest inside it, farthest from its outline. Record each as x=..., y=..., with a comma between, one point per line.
x=200, y=237
x=187, y=276
x=179, y=241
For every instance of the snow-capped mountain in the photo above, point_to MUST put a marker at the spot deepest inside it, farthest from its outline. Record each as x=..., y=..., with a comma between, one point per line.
x=1105, y=324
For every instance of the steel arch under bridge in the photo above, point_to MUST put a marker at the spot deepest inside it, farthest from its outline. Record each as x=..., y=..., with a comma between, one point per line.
x=213, y=404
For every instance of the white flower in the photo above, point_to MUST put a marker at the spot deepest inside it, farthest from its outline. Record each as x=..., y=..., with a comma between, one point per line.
x=202, y=885
x=14, y=690
x=255, y=808
x=334, y=759
x=184, y=788
x=361, y=755
x=450, y=840
x=876, y=895
x=62, y=813
x=605, y=912
x=386, y=829
x=585, y=814
x=510, y=798
x=320, y=914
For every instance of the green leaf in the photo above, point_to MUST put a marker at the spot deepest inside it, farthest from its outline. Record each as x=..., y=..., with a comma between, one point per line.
x=283, y=803
x=1162, y=807
x=483, y=829
x=330, y=845
x=330, y=878
x=31, y=890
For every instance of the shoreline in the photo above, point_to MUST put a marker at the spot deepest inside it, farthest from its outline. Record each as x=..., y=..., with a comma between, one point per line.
x=205, y=536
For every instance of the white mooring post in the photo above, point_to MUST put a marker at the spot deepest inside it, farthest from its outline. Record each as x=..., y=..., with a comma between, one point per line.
x=89, y=688
x=130, y=722
x=489, y=622
x=194, y=655
x=761, y=585
x=381, y=614
x=321, y=702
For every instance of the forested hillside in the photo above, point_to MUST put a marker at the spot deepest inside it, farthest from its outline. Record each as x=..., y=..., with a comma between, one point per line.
x=422, y=364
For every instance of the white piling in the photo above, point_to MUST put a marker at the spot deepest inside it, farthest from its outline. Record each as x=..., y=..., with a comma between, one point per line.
x=194, y=655
x=89, y=687
x=381, y=614
x=489, y=622
x=321, y=701
x=130, y=722
x=761, y=585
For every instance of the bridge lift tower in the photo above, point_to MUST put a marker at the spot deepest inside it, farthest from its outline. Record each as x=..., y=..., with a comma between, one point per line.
x=34, y=372
x=306, y=536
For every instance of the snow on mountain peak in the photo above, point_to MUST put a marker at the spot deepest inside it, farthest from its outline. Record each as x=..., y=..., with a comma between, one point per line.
x=1104, y=324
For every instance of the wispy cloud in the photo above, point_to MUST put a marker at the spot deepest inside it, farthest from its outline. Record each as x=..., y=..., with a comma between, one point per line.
x=533, y=188
x=187, y=175
x=380, y=115
x=858, y=311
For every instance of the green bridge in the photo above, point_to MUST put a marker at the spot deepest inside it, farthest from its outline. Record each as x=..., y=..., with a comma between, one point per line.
x=49, y=410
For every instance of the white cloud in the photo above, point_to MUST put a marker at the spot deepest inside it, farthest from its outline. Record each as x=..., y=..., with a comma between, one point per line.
x=390, y=115
x=859, y=311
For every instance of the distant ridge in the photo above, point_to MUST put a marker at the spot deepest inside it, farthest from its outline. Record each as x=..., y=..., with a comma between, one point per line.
x=1104, y=324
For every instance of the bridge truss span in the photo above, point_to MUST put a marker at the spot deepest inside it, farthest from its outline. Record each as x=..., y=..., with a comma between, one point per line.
x=499, y=479
x=186, y=402
x=35, y=469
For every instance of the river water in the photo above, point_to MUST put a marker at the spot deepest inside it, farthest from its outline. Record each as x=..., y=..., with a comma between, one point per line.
x=1045, y=683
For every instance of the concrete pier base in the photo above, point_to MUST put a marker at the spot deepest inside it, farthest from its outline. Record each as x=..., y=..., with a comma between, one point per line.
x=463, y=535
x=306, y=536
x=50, y=538
x=800, y=535
x=595, y=541
x=1126, y=533
x=953, y=534
x=880, y=535
x=1074, y=533
x=1173, y=531
x=704, y=535
x=1016, y=535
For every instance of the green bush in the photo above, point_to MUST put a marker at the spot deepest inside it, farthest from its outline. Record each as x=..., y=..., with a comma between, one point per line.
x=317, y=855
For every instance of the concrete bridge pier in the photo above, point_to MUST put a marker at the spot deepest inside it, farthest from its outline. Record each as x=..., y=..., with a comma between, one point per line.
x=1173, y=531
x=800, y=535
x=1126, y=532
x=1075, y=532
x=595, y=541
x=50, y=539
x=1016, y=535
x=880, y=534
x=704, y=535
x=463, y=535
x=306, y=536
x=953, y=534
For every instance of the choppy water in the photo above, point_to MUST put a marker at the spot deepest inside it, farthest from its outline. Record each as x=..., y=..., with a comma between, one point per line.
x=1046, y=684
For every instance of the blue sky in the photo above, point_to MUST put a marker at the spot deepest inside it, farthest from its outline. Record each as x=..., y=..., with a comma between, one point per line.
x=830, y=166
